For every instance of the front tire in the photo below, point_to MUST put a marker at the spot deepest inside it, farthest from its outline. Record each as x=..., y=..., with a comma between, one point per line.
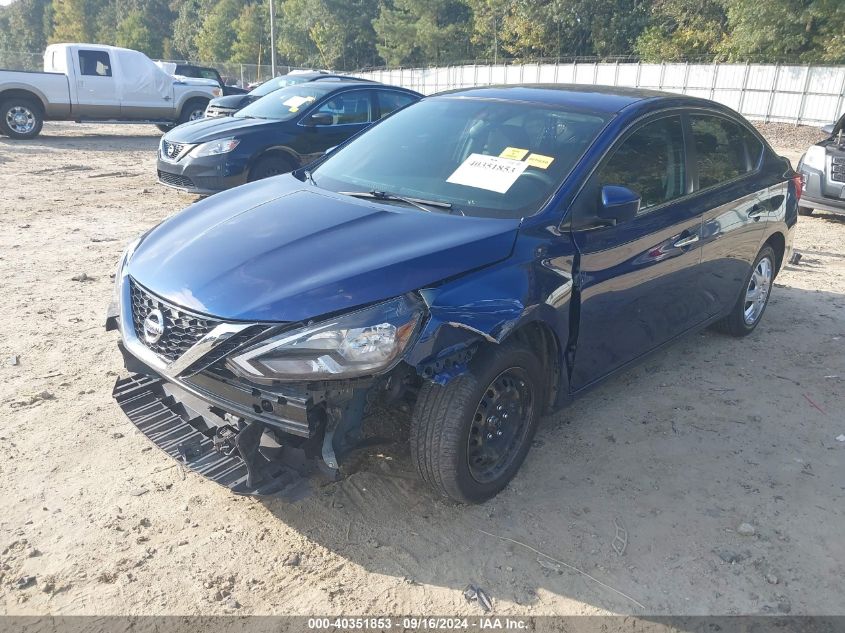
x=749, y=308
x=805, y=211
x=269, y=166
x=469, y=437
x=20, y=118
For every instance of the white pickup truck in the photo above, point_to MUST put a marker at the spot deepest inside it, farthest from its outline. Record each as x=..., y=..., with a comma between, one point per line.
x=90, y=82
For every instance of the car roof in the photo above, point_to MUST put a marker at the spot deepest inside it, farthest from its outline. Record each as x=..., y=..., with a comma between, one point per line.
x=606, y=99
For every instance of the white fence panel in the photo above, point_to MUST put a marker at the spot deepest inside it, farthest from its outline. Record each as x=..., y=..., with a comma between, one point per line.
x=812, y=95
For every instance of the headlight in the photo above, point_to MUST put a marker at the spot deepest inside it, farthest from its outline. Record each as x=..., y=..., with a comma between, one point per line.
x=212, y=148
x=815, y=157
x=356, y=344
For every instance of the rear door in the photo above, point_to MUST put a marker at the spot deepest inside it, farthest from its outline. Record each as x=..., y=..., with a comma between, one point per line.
x=725, y=159
x=96, y=87
x=639, y=280
x=349, y=112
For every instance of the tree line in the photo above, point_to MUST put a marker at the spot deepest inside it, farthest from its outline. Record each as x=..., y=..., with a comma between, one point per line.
x=354, y=34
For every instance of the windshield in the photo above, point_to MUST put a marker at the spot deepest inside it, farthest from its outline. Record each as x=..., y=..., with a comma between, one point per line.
x=274, y=84
x=486, y=158
x=286, y=103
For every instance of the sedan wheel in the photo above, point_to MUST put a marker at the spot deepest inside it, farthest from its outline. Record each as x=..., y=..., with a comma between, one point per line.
x=757, y=293
x=748, y=310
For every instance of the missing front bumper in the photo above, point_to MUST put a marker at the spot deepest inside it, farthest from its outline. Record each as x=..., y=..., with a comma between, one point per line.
x=245, y=458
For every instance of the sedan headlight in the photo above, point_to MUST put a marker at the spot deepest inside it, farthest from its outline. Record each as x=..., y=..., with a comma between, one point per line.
x=355, y=344
x=213, y=148
x=815, y=157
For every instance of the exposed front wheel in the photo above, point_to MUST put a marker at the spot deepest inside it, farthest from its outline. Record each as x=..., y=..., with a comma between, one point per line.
x=469, y=437
x=269, y=166
x=805, y=211
x=20, y=119
x=749, y=308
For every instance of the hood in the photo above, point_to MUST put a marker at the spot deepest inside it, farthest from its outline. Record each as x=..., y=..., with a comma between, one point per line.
x=234, y=102
x=280, y=250
x=203, y=130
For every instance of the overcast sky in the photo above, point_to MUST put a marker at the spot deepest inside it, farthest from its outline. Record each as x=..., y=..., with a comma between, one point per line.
x=6, y=1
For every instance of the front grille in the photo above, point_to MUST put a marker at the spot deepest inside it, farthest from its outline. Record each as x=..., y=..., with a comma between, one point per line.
x=837, y=169
x=175, y=180
x=172, y=151
x=182, y=329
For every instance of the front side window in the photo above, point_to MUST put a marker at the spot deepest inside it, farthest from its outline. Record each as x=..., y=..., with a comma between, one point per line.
x=485, y=157
x=94, y=63
x=348, y=108
x=389, y=101
x=650, y=162
x=720, y=148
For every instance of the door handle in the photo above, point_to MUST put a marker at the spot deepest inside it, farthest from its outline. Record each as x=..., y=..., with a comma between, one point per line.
x=167, y=98
x=692, y=239
x=756, y=211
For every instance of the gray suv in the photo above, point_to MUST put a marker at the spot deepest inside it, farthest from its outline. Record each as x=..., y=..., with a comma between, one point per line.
x=822, y=168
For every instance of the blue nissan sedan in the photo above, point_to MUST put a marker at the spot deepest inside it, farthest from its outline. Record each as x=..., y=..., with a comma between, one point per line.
x=482, y=257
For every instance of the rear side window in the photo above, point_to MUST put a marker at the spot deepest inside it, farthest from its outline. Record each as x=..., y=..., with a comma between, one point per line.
x=650, y=162
x=95, y=63
x=389, y=101
x=722, y=150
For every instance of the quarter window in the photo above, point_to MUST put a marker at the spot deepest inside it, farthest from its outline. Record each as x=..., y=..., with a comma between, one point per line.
x=650, y=162
x=348, y=108
x=721, y=149
x=94, y=63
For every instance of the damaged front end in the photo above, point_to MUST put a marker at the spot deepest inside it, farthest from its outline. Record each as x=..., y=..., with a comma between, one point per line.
x=259, y=408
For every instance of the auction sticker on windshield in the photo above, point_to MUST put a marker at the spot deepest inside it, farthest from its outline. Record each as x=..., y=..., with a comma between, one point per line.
x=493, y=173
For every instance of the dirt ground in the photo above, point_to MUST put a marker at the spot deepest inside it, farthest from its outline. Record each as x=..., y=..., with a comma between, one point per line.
x=677, y=454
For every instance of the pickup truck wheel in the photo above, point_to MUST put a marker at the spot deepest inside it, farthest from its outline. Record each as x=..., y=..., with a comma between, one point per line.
x=270, y=166
x=20, y=119
x=805, y=211
x=192, y=110
x=469, y=437
x=749, y=308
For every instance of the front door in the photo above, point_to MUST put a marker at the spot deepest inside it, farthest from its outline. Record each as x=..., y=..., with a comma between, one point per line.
x=639, y=280
x=341, y=116
x=96, y=87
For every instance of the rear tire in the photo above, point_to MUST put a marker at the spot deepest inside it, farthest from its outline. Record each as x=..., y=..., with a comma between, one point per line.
x=269, y=166
x=20, y=118
x=494, y=407
x=751, y=304
x=805, y=211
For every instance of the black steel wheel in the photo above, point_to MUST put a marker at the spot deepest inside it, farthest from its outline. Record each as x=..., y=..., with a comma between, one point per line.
x=470, y=436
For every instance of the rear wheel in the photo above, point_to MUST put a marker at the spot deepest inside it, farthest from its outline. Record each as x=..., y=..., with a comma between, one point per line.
x=805, y=211
x=469, y=437
x=749, y=308
x=268, y=166
x=20, y=118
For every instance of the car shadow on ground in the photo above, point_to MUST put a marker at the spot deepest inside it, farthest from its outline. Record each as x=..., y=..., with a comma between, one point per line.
x=144, y=138
x=631, y=498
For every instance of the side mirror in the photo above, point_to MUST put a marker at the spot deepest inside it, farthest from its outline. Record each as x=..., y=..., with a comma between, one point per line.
x=828, y=129
x=618, y=203
x=320, y=118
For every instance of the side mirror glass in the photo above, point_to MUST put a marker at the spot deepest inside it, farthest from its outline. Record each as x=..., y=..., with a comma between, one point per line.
x=828, y=129
x=320, y=118
x=618, y=204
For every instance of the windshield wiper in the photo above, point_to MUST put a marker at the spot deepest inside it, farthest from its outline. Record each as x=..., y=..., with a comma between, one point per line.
x=309, y=177
x=420, y=203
